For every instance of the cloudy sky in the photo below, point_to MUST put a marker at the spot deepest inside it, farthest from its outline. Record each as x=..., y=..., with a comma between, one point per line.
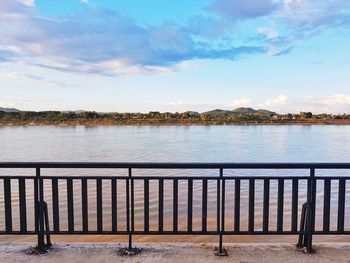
x=133, y=55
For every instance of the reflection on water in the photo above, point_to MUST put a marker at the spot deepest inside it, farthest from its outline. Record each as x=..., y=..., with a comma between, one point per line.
x=174, y=144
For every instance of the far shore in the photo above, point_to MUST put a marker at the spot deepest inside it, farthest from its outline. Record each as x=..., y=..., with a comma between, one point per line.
x=239, y=116
x=103, y=122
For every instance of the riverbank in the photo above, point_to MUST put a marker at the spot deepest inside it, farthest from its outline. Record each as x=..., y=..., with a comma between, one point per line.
x=180, y=252
x=109, y=122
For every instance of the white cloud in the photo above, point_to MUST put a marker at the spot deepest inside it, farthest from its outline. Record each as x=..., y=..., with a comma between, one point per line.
x=80, y=44
x=291, y=3
x=115, y=45
x=243, y=102
x=245, y=9
x=30, y=3
x=268, y=32
x=178, y=103
x=296, y=20
x=337, y=103
x=273, y=103
x=28, y=78
x=24, y=102
x=336, y=99
x=84, y=1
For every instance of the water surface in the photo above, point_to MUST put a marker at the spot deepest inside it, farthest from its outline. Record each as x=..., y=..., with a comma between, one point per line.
x=175, y=144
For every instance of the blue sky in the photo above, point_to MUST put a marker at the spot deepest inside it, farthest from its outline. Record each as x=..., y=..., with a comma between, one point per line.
x=132, y=55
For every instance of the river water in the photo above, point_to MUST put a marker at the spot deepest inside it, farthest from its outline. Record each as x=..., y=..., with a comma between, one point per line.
x=175, y=144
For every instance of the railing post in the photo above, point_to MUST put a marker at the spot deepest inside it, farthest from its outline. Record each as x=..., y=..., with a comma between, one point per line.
x=41, y=216
x=129, y=250
x=307, y=223
x=128, y=212
x=302, y=237
x=311, y=211
x=41, y=243
x=221, y=251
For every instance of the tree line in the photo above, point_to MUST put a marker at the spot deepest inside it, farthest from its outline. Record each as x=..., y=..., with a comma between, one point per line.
x=164, y=117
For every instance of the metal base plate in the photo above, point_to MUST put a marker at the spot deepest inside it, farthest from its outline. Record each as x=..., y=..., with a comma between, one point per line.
x=222, y=253
x=304, y=249
x=129, y=252
x=37, y=251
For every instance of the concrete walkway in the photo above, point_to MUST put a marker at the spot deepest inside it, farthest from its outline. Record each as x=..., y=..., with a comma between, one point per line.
x=175, y=252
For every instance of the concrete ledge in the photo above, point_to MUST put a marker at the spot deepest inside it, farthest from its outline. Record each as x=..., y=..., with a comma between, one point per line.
x=175, y=252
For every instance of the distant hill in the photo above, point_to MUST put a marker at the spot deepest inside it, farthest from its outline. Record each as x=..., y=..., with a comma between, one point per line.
x=245, y=111
x=192, y=113
x=266, y=112
x=217, y=112
x=9, y=109
x=239, y=111
x=74, y=111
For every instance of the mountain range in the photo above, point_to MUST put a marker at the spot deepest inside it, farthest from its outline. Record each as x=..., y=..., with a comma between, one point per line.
x=9, y=109
x=238, y=111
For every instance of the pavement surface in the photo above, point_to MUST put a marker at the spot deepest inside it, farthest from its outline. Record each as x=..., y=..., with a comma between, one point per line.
x=175, y=252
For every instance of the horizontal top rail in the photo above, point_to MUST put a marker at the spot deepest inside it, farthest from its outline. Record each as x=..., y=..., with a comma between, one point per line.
x=159, y=165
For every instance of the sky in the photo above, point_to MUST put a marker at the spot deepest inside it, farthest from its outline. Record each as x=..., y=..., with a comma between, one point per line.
x=140, y=56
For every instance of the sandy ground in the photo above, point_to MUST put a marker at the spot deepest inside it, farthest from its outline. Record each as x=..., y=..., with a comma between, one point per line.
x=176, y=252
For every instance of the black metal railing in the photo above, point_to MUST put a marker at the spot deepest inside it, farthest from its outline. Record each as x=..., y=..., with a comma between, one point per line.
x=226, y=203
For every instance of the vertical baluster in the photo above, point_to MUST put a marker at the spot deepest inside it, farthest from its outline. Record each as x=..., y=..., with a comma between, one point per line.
x=251, y=205
x=84, y=199
x=294, y=219
x=266, y=205
x=132, y=205
x=341, y=205
x=146, y=205
x=175, y=205
x=99, y=205
x=70, y=204
x=55, y=205
x=8, y=205
x=223, y=205
x=237, y=204
x=161, y=204
x=204, y=204
x=22, y=204
x=114, y=204
x=190, y=205
x=326, y=204
x=280, y=202
x=218, y=205
x=127, y=192
x=36, y=202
